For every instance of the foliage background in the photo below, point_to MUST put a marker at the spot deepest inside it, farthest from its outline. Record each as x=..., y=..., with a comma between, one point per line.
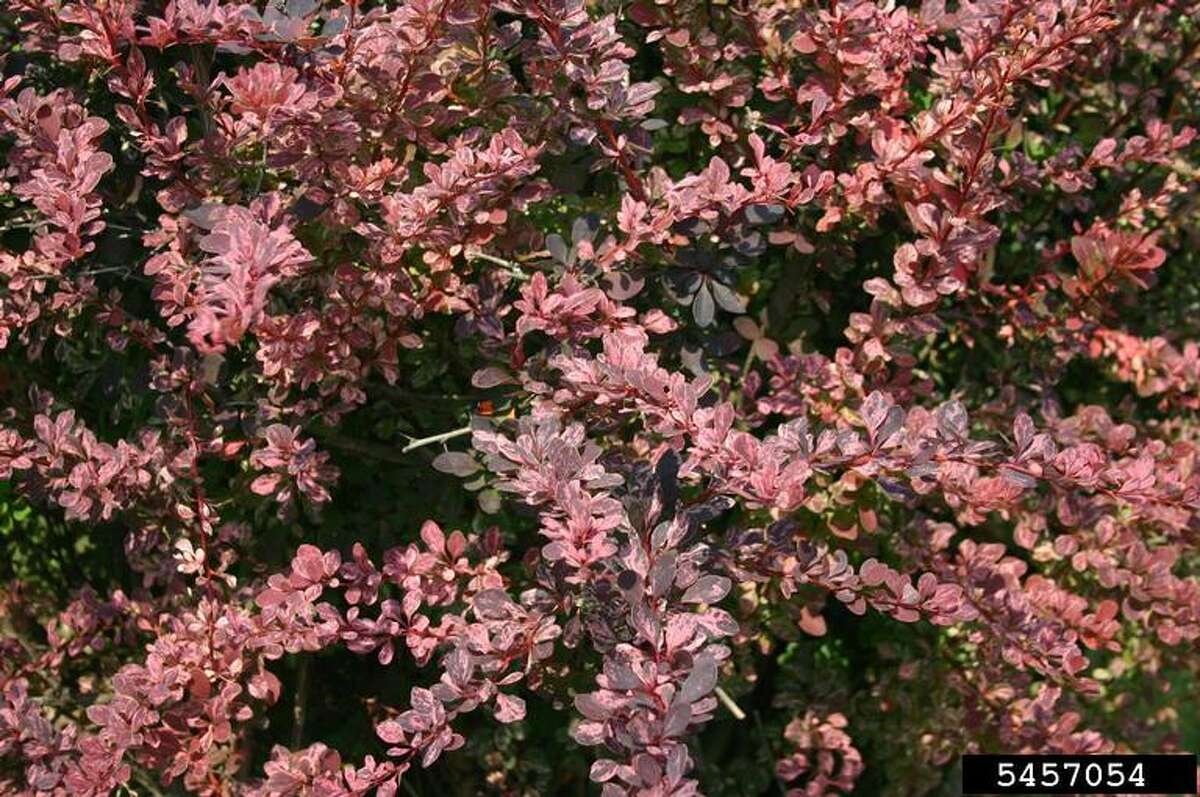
x=909, y=728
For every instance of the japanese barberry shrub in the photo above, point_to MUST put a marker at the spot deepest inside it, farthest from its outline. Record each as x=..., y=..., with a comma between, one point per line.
x=493, y=396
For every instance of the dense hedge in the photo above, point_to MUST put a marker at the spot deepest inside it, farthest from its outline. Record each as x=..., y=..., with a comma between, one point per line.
x=490, y=396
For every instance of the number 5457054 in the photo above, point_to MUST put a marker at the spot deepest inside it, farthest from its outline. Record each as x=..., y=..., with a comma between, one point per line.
x=1052, y=774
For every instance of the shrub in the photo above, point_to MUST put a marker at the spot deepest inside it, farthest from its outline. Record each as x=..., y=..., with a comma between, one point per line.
x=812, y=386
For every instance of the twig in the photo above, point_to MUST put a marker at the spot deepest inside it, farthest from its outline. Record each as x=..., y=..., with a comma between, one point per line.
x=727, y=701
x=300, y=707
x=262, y=169
x=437, y=438
x=384, y=453
x=512, y=267
x=128, y=272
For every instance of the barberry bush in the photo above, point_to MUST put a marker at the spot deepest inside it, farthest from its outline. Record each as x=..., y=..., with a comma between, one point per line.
x=550, y=397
